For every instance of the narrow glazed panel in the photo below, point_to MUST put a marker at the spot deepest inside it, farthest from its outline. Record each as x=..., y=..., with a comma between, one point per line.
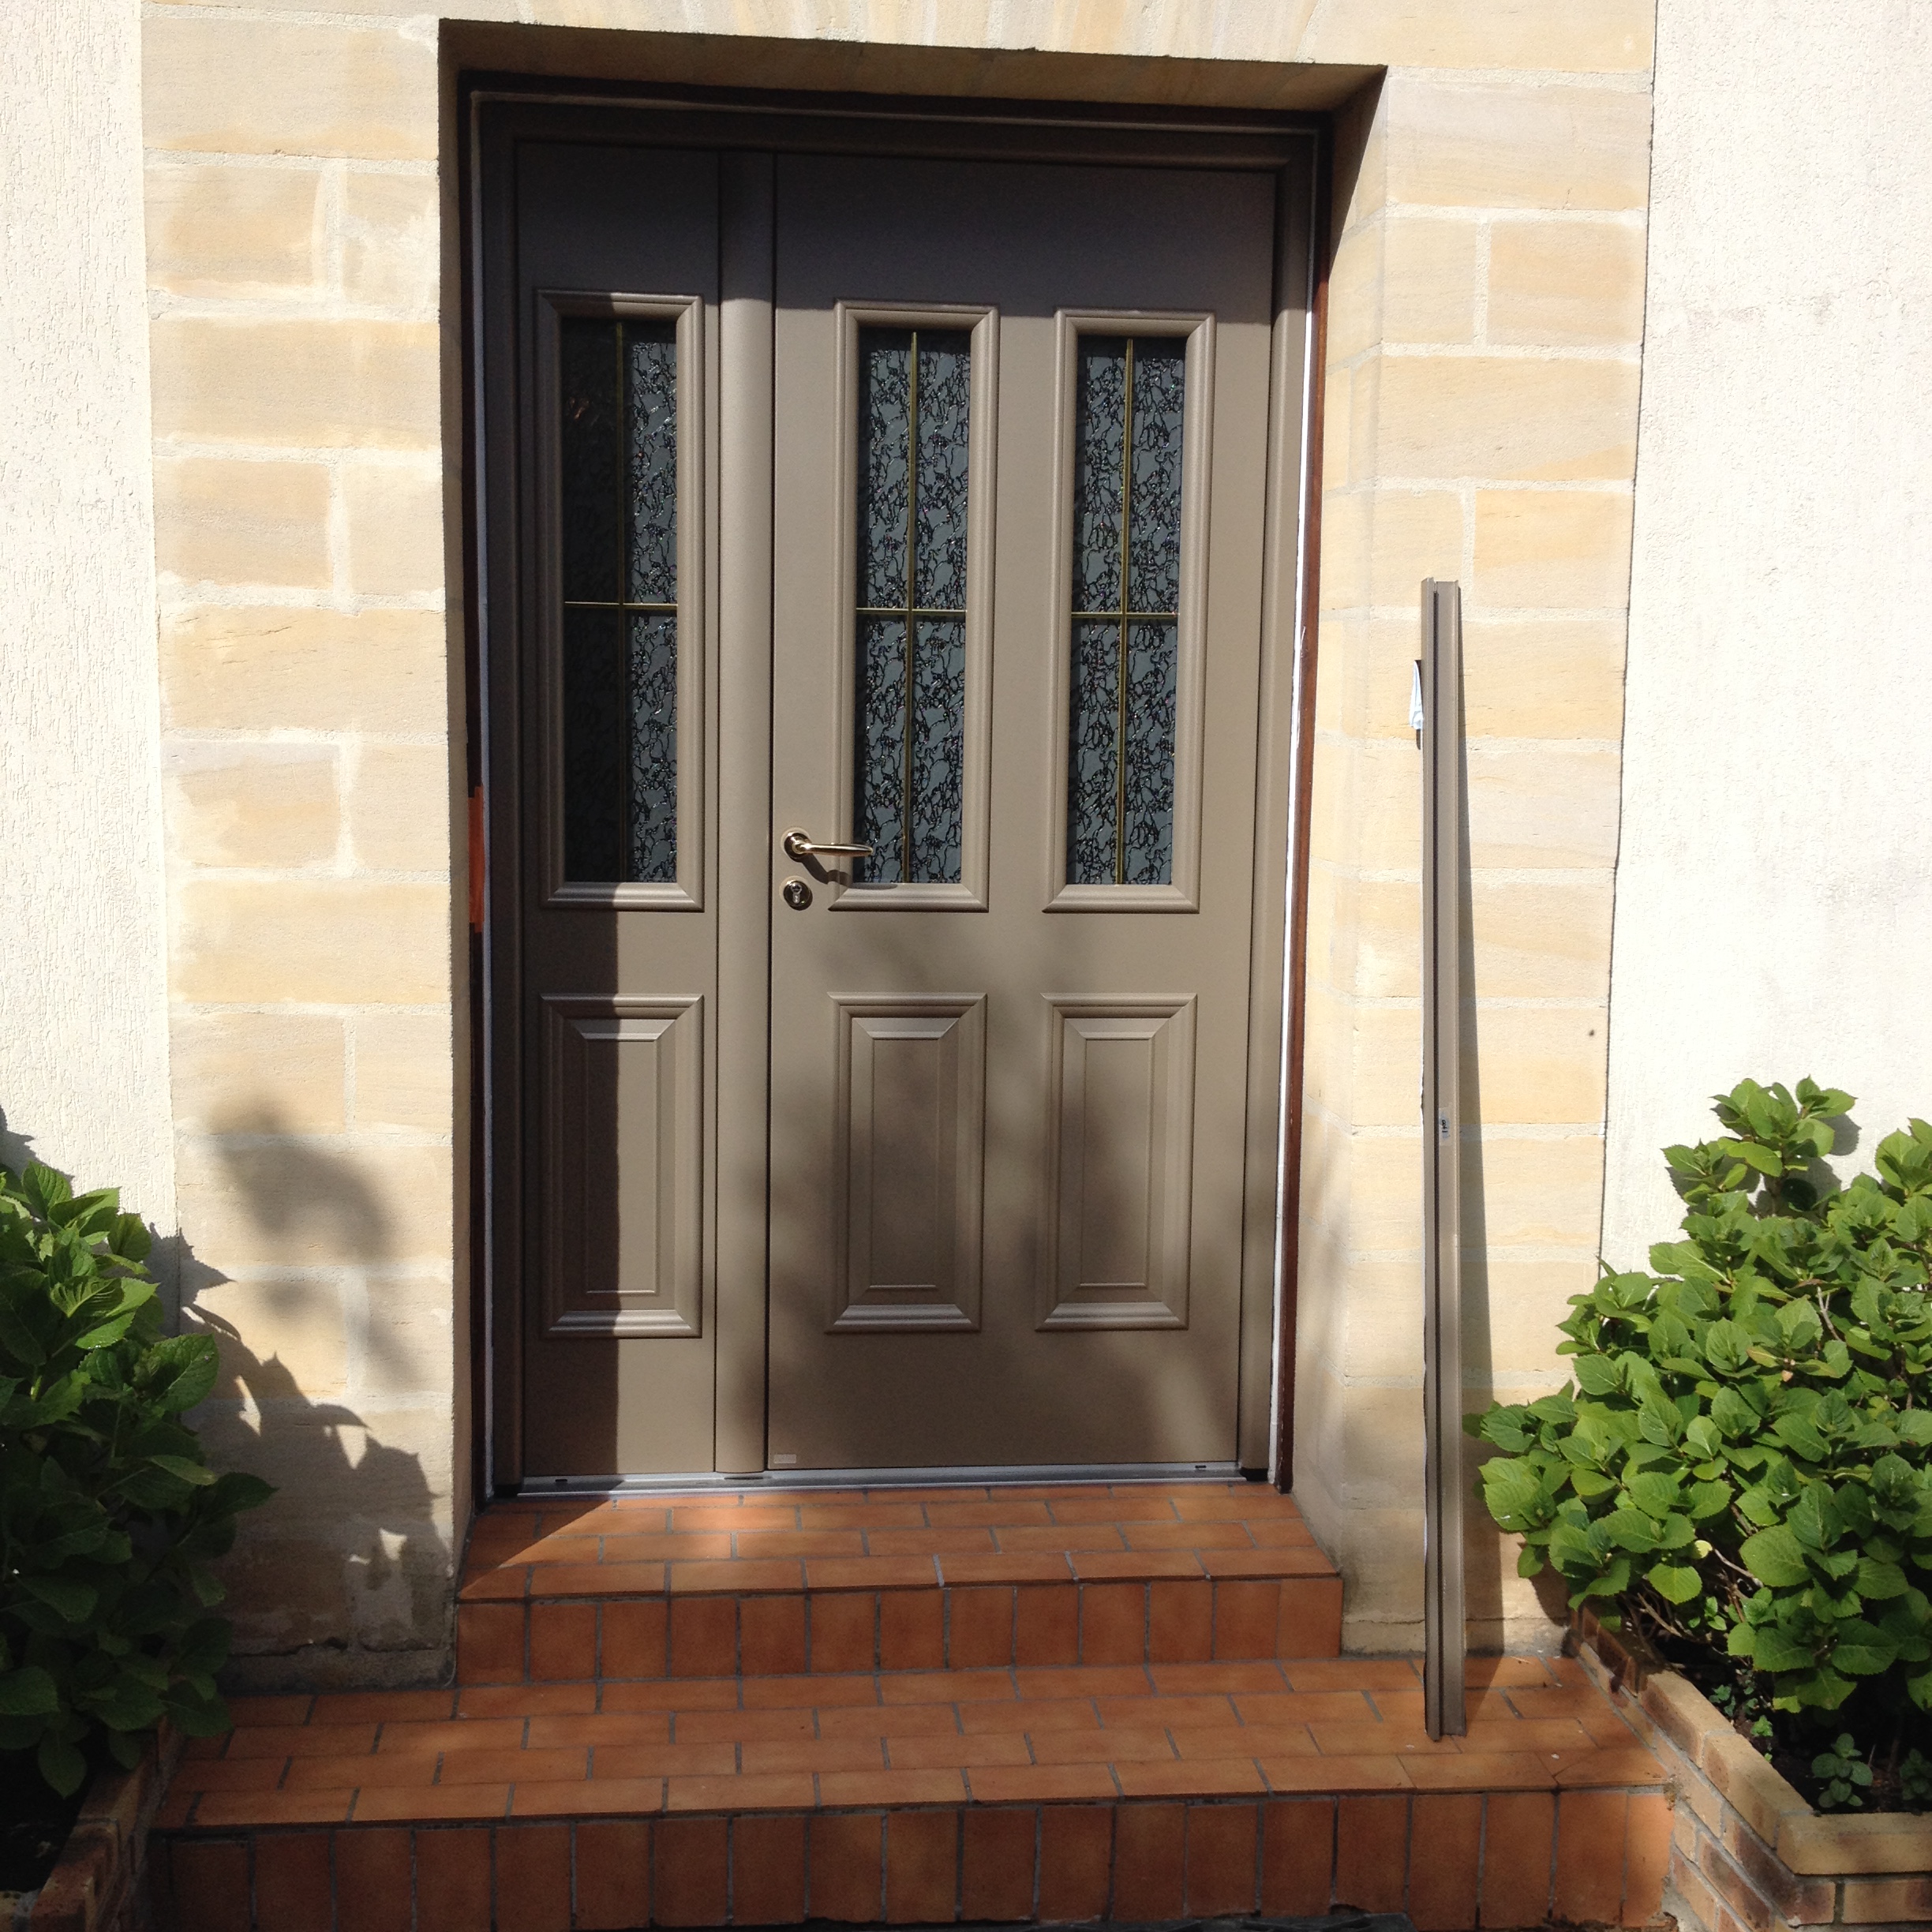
x=1129, y=414
x=622, y=1126
x=910, y=1140
x=915, y=406
x=1122, y=1143
x=617, y=490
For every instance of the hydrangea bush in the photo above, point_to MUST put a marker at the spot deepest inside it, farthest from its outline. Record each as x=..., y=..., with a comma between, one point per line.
x=109, y=1515
x=1743, y=1463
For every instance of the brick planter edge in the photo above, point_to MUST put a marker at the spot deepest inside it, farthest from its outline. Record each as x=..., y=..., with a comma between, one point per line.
x=1747, y=1853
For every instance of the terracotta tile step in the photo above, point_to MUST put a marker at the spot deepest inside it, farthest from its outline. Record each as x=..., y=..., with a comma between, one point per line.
x=558, y=1639
x=1136, y=1791
x=1501, y=1858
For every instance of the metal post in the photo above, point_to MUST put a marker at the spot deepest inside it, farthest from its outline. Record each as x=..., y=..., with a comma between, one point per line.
x=1445, y=1636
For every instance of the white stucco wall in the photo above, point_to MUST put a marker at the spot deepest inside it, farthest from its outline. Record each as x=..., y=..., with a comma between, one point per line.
x=1774, y=893
x=82, y=1018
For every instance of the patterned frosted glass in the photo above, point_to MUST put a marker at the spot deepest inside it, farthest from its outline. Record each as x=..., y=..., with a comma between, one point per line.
x=1129, y=412
x=652, y=370
x=915, y=412
x=618, y=517
x=878, y=818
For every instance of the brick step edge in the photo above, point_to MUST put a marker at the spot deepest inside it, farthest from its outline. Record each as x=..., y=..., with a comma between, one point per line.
x=547, y=1640
x=1499, y=1859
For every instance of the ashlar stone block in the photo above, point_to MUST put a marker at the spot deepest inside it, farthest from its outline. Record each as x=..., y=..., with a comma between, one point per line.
x=326, y=383
x=1553, y=549
x=212, y=84
x=232, y=231
x=269, y=667
x=1558, y=284
x=242, y=523
x=1611, y=36
x=395, y=515
x=325, y=941
x=1453, y=143
x=391, y=241
x=399, y=814
x=255, y=806
x=230, y=1072
x=292, y=1326
x=1507, y=418
x=404, y=1070
x=265, y=1201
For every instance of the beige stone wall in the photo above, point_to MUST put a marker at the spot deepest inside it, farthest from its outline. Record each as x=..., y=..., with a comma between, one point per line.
x=1480, y=423
x=307, y=433
x=310, y=656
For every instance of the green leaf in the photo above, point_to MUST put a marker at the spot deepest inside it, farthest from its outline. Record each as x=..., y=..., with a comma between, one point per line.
x=61, y=1764
x=1775, y=1649
x=1773, y=1556
x=1879, y=1580
x=73, y=1602
x=1675, y=1583
x=27, y=1692
x=183, y=1370
x=199, y=1474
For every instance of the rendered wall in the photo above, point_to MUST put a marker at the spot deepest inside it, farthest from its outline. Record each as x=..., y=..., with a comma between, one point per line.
x=83, y=962
x=307, y=451
x=1773, y=896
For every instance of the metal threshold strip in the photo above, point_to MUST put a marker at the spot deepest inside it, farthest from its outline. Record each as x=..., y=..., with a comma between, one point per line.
x=995, y=1474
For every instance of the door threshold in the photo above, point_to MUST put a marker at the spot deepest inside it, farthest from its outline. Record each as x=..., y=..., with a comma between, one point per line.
x=984, y=1475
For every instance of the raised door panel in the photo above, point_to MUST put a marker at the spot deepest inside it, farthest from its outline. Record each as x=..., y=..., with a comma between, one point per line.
x=623, y=1135
x=1121, y=1145
x=910, y=1136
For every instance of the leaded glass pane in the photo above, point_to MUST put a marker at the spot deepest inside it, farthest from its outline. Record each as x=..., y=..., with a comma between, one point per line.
x=945, y=408
x=1148, y=781
x=1099, y=425
x=879, y=810
x=1093, y=760
x=1154, y=530
x=618, y=516
x=651, y=351
x=594, y=744
x=884, y=412
x=914, y=423
x=1130, y=409
x=652, y=673
x=589, y=456
x=938, y=748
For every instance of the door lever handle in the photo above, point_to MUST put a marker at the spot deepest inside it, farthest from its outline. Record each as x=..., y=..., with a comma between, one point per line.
x=799, y=845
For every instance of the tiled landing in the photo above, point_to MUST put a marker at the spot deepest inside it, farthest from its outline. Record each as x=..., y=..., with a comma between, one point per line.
x=775, y=1583
x=1135, y=1792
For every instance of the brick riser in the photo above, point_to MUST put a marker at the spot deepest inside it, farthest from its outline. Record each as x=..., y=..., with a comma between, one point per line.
x=558, y=1640
x=1452, y=1861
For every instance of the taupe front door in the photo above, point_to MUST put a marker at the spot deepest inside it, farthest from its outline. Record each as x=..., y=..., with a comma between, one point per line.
x=881, y=800
x=1021, y=431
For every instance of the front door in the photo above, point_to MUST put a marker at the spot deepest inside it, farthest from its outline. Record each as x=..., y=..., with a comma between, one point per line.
x=1021, y=420
x=999, y=843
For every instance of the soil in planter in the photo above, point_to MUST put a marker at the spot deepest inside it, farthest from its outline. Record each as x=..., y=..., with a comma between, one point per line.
x=1884, y=1727
x=34, y=1821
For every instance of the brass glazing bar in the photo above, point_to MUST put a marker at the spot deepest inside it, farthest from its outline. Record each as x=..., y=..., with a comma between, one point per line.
x=900, y=610
x=620, y=605
x=1445, y=1632
x=1105, y=616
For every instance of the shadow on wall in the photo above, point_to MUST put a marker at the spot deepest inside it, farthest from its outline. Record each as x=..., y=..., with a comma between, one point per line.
x=1490, y=1577
x=344, y=1577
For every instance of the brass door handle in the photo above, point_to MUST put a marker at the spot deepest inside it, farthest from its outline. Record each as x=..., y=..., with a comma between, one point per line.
x=799, y=845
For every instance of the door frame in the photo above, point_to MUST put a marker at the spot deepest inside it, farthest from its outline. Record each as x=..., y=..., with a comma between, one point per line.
x=747, y=127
